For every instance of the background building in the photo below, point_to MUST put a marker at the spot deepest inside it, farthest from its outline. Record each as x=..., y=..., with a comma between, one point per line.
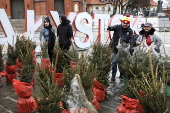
x=15, y=9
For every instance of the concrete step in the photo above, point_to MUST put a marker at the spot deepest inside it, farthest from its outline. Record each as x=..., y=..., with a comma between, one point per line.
x=19, y=25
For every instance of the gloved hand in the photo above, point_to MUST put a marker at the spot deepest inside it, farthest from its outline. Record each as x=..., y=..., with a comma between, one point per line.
x=108, y=28
x=131, y=50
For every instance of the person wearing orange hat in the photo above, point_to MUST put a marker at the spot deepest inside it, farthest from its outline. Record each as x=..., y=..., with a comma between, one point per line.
x=124, y=33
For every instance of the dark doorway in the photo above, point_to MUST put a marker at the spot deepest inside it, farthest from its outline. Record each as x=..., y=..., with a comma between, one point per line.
x=17, y=9
x=59, y=6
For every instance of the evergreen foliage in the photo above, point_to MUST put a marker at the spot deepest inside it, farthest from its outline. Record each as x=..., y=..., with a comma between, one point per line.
x=1, y=59
x=11, y=56
x=146, y=83
x=73, y=54
x=49, y=95
x=136, y=64
x=28, y=66
x=87, y=72
x=101, y=56
x=44, y=50
x=165, y=63
x=21, y=46
x=60, y=59
x=24, y=48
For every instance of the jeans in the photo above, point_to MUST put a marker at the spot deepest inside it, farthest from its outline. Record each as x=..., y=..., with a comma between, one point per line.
x=50, y=52
x=114, y=65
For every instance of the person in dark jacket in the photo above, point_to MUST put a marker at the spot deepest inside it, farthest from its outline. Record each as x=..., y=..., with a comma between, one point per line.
x=49, y=36
x=64, y=33
x=124, y=33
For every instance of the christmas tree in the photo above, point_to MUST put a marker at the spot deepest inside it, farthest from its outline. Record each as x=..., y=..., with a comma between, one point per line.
x=27, y=68
x=11, y=56
x=49, y=94
x=146, y=84
x=101, y=56
x=60, y=59
x=1, y=59
x=21, y=46
x=87, y=72
x=44, y=50
x=24, y=48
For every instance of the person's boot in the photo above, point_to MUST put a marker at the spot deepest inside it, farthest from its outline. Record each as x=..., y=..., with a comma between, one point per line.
x=113, y=78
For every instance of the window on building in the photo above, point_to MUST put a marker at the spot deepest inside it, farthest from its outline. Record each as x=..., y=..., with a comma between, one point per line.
x=40, y=0
x=109, y=9
x=101, y=0
x=76, y=9
x=103, y=8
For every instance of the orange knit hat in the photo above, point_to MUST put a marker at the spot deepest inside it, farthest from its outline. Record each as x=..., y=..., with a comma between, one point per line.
x=126, y=20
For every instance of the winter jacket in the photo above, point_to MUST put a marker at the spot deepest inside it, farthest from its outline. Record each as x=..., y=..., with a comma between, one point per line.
x=155, y=38
x=45, y=32
x=126, y=34
x=64, y=31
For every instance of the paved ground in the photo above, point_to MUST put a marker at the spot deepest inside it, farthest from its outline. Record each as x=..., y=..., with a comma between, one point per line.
x=8, y=98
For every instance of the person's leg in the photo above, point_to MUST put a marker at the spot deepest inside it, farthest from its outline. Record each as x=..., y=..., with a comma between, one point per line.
x=67, y=47
x=114, y=68
x=50, y=52
x=121, y=70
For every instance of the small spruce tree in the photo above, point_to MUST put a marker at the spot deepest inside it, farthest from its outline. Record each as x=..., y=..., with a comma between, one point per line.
x=101, y=56
x=49, y=94
x=11, y=56
x=1, y=59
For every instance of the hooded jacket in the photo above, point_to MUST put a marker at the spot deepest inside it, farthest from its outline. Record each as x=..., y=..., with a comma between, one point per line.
x=48, y=33
x=126, y=34
x=154, y=36
x=64, y=31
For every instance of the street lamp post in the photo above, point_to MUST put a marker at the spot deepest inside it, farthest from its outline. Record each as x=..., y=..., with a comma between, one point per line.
x=108, y=5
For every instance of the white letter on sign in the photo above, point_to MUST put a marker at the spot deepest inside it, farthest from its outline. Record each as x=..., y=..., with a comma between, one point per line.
x=135, y=24
x=7, y=28
x=55, y=17
x=83, y=29
x=30, y=25
x=102, y=18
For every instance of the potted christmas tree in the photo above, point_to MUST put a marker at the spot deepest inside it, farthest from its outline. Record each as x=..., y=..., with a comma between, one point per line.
x=45, y=61
x=148, y=87
x=88, y=72
x=11, y=66
x=60, y=61
x=101, y=56
x=22, y=47
x=164, y=65
x=2, y=72
x=49, y=96
x=24, y=86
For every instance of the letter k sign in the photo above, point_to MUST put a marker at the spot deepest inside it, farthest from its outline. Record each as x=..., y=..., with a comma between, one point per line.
x=7, y=29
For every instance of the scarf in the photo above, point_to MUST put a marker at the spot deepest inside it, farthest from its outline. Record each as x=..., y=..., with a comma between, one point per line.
x=51, y=40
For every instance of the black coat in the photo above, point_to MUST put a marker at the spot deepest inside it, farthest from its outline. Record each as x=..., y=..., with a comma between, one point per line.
x=65, y=33
x=126, y=34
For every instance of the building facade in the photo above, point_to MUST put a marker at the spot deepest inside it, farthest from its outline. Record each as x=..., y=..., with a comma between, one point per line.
x=15, y=9
x=99, y=6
